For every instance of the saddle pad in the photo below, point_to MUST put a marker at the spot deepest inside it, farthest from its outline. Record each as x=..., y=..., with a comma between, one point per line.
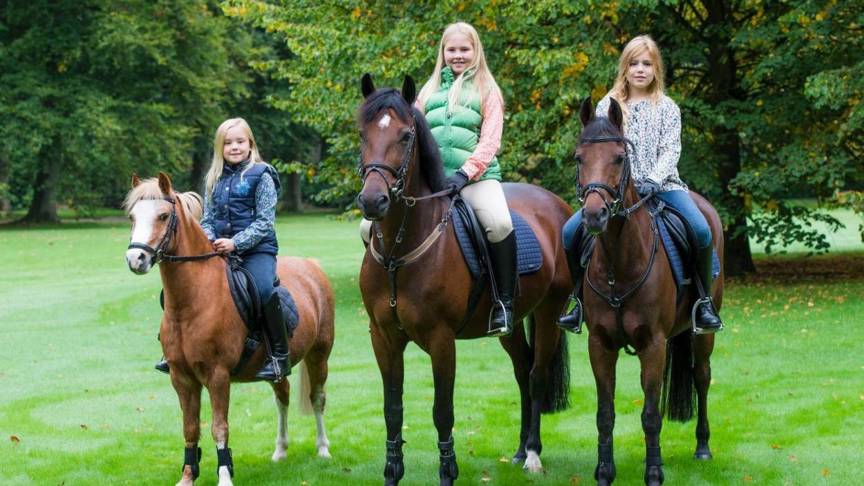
x=529, y=257
x=680, y=270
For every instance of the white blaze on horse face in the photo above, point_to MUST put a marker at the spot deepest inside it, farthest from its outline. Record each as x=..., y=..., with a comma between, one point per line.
x=384, y=122
x=144, y=213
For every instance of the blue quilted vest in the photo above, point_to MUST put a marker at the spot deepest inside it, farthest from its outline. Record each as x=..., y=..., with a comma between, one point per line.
x=234, y=203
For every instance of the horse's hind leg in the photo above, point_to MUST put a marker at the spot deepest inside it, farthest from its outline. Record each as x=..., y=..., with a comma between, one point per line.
x=517, y=348
x=281, y=393
x=702, y=378
x=312, y=385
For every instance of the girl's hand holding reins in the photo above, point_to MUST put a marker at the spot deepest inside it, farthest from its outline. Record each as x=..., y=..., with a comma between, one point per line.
x=224, y=245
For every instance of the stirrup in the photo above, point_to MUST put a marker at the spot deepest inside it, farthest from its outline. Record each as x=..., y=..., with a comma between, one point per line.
x=506, y=329
x=572, y=303
x=699, y=330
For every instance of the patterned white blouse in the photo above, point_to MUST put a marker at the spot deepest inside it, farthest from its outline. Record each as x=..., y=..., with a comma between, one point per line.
x=655, y=130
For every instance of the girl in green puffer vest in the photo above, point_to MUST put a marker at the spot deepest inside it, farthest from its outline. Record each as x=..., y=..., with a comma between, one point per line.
x=465, y=111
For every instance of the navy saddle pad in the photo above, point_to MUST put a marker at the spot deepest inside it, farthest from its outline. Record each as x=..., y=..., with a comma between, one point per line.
x=529, y=256
x=677, y=240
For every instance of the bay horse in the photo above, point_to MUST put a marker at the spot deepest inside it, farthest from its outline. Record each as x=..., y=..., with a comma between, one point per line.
x=202, y=333
x=422, y=294
x=632, y=299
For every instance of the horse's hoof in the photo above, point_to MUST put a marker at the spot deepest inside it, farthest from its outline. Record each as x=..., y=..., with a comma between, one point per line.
x=186, y=482
x=703, y=455
x=532, y=463
x=519, y=457
x=324, y=453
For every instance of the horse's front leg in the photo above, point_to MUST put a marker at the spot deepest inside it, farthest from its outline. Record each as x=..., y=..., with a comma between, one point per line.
x=653, y=361
x=219, y=387
x=442, y=350
x=603, y=362
x=189, y=392
x=389, y=348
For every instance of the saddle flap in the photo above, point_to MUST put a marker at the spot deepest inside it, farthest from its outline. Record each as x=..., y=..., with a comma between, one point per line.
x=244, y=294
x=470, y=235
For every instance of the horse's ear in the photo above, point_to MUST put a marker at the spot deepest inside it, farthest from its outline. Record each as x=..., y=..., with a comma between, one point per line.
x=409, y=90
x=615, y=114
x=366, y=85
x=586, y=112
x=164, y=183
x=135, y=180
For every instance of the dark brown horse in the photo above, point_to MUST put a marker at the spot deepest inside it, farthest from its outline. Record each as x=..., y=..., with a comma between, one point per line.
x=423, y=296
x=630, y=299
x=202, y=333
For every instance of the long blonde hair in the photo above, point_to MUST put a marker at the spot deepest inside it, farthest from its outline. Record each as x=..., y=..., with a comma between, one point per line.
x=477, y=72
x=621, y=89
x=219, y=141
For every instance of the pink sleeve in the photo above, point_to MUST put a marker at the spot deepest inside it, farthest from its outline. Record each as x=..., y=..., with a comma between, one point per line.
x=490, y=137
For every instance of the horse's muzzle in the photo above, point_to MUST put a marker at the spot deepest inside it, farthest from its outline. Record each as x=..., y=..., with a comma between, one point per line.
x=375, y=206
x=139, y=261
x=596, y=221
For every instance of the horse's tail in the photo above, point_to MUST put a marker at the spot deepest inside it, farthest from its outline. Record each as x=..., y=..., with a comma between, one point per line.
x=557, y=396
x=678, y=396
x=305, y=390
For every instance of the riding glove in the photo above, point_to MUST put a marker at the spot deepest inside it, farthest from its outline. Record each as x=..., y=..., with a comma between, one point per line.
x=648, y=187
x=457, y=181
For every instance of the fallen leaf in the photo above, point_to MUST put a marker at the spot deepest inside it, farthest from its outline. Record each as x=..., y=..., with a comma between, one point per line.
x=775, y=446
x=84, y=427
x=14, y=438
x=503, y=459
x=825, y=472
x=576, y=480
x=484, y=477
x=793, y=458
x=748, y=478
x=140, y=409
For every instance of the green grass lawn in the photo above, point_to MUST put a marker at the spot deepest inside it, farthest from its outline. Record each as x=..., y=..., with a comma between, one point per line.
x=81, y=404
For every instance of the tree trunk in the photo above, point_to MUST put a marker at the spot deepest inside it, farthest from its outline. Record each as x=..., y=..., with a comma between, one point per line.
x=291, y=200
x=200, y=164
x=725, y=85
x=43, y=207
x=5, y=204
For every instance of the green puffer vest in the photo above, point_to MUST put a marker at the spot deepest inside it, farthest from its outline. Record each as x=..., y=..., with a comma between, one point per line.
x=457, y=131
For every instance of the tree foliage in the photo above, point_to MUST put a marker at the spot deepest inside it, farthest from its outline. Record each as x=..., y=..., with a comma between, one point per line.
x=768, y=89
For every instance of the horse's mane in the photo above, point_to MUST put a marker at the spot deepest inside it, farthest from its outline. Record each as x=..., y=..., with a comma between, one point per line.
x=431, y=167
x=149, y=189
x=599, y=126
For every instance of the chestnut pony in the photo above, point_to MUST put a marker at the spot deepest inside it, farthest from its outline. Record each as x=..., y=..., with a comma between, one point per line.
x=428, y=287
x=202, y=333
x=630, y=299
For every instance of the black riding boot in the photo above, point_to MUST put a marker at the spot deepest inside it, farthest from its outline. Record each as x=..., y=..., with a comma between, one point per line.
x=503, y=256
x=278, y=365
x=706, y=319
x=162, y=366
x=573, y=320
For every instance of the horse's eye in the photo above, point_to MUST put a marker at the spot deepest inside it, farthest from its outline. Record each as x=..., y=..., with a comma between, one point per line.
x=577, y=159
x=362, y=137
x=619, y=160
x=163, y=217
x=405, y=137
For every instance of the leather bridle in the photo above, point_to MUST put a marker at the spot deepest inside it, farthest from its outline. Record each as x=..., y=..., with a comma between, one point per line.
x=158, y=254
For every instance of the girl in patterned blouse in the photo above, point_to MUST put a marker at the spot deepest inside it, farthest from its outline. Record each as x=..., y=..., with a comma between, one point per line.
x=239, y=211
x=652, y=121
